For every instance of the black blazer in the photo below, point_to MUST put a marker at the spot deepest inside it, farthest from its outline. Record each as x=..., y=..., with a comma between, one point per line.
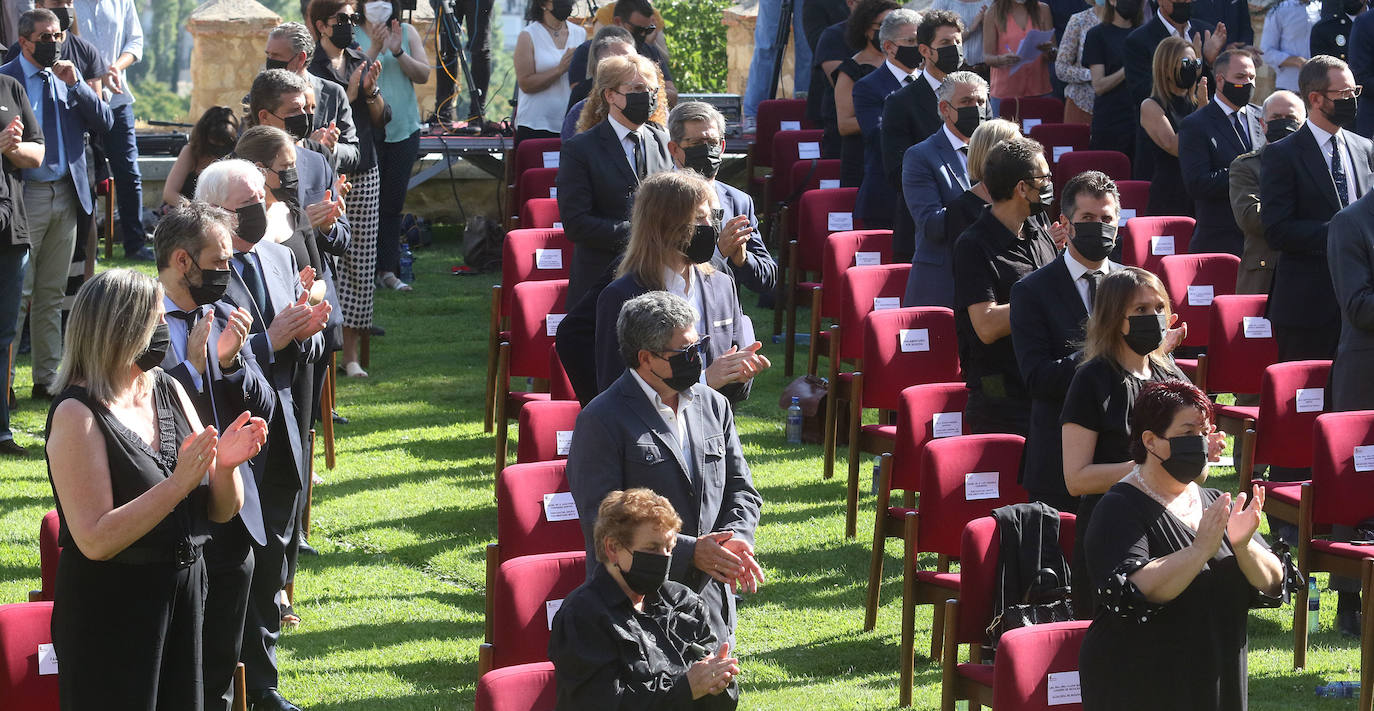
x=759, y=273
x=1140, y=54
x=1207, y=144
x=910, y=115
x=1299, y=200
x=596, y=189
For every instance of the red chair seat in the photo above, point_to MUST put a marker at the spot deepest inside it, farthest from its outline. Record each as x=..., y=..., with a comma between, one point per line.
x=1188, y=366
x=846, y=377
x=807, y=286
x=520, y=398
x=900, y=512
x=945, y=580
x=888, y=432
x=1239, y=412
x=1345, y=550
x=1287, y=492
x=978, y=673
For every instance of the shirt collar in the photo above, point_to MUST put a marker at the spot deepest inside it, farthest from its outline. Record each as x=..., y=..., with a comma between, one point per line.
x=898, y=74
x=620, y=131
x=1077, y=270
x=1319, y=133
x=1227, y=109
x=683, y=398
x=170, y=306
x=609, y=590
x=954, y=140
x=675, y=284
x=932, y=81
x=30, y=69
x=996, y=233
x=1169, y=25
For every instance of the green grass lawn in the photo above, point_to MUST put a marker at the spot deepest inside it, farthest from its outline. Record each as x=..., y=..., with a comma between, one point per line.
x=393, y=607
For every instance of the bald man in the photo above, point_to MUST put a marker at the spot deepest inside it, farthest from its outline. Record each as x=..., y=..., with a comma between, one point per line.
x=1284, y=114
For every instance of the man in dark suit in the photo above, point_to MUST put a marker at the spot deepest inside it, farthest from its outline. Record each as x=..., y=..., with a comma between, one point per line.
x=209, y=355
x=877, y=195
x=911, y=114
x=290, y=47
x=1362, y=66
x=1302, y=186
x=1208, y=140
x=1283, y=116
x=595, y=187
x=659, y=427
x=21, y=145
x=934, y=172
x=1331, y=34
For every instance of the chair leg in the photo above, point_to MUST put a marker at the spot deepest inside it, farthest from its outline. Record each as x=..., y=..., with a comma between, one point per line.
x=851, y=511
x=790, y=336
x=493, y=336
x=949, y=665
x=908, y=651
x=875, y=562
x=937, y=634
x=327, y=412
x=240, y=689
x=309, y=489
x=831, y=427
x=813, y=350
x=1367, y=637
x=502, y=400
x=109, y=221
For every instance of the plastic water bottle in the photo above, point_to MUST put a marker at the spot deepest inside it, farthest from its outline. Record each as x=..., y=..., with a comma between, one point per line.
x=1314, y=605
x=794, y=422
x=1339, y=690
x=407, y=274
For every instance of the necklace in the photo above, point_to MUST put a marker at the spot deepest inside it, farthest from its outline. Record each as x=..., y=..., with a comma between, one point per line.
x=555, y=31
x=1139, y=479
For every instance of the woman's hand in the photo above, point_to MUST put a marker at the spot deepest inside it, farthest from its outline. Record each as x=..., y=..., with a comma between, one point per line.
x=354, y=82
x=1243, y=522
x=1213, y=524
x=1200, y=92
x=1176, y=333
x=196, y=457
x=242, y=440
x=1060, y=232
x=1216, y=444
x=713, y=674
x=394, y=34
x=566, y=61
x=370, y=78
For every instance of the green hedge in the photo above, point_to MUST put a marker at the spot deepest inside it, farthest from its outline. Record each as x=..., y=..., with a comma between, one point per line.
x=696, y=42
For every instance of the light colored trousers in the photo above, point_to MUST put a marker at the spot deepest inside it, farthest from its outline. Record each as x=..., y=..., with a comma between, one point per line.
x=52, y=210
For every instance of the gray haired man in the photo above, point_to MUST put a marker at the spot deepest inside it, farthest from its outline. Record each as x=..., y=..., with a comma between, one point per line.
x=290, y=47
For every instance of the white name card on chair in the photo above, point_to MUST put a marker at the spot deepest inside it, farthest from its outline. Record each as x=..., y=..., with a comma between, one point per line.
x=548, y=259
x=1063, y=688
x=947, y=424
x=553, y=192
x=839, y=221
x=560, y=507
x=551, y=324
x=883, y=303
x=563, y=438
x=558, y=225
x=867, y=259
x=1028, y=124
x=1364, y=458
x=551, y=609
x=1061, y=150
x=789, y=125
x=1127, y=213
x=830, y=183
x=808, y=150
x=1162, y=245
x=47, y=660
x=914, y=340
x=1200, y=294
x=550, y=159
x=1310, y=399
x=1256, y=327
x=980, y=485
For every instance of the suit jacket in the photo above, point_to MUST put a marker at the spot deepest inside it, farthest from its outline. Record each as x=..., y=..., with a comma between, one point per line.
x=910, y=115
x=726, y=325
x=1140, y=53
x=220, y=397
x=331, y=104
x=759, y=273
x=1331, y=34
x=315, y=176
x=596, y=189
x=79, y=110
x=1350, y=256
x=1361, y=48
x=1299, y=200
x=932, y=176
x=620, y=442
x=1207, y=143
x=876, y=195
x=1258, y=260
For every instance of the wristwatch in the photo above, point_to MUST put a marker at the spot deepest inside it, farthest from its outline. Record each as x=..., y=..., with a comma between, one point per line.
x=398, y=53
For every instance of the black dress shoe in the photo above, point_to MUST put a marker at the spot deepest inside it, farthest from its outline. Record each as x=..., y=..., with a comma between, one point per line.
x=377, y=331
x=1349, y=623
x=338, y=419
x=269, y=700
x=9, y=446
x=306, y=549
x=40, y=392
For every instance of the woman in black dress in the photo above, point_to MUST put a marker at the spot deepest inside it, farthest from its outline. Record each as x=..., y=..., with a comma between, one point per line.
x=861, y=34
x=1104, y=49
x=127, y=456
x=212, y=138
x=1177, y=568
x=1178, y=89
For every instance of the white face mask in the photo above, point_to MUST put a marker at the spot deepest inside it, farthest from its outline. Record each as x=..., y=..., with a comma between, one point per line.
x=377, y=12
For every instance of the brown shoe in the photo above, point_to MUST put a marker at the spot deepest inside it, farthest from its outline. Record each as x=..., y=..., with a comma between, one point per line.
x=40, y=392
x=9, y=446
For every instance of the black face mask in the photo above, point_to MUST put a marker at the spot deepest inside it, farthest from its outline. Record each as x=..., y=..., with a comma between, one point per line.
x=1146, y=332
x=152, y=355
x=1046, y=197
x=909, y=57
x=299, y=125
x=1187, y=457
x=704, y=158
x=638, y=106
x=271, y=63
x=1094, y=240
x=342, y=35
x=1342, y=113
x=1237, y=94
x=648, y=572
x=686, y=369
x=1183, y=12
x=1128, y=9
x=218, y=150
x=252, y=222
x=213, y=283
x=45, y=53
x=561, y=9
x=64, y=17
x=968, y=121
x=1280, y=128
x=1353, y=7
x=949, y=58
x=289, y=186
x=1188, y=73
x=703, y=244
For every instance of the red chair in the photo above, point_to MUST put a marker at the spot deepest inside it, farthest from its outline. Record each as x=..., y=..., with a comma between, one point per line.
x=48, y=553
x=1135, y=197
x=1193, y=281
x=1145, y=241
x=966, y=620
x=533, y=183
x=1041, y=109
x=23, y=628
x=917, y=411
x=1115, y=164
x=901, y=348
x=774, y=115
x=854, y=248
x=523, y=687
x=789, y=148
x=811, y=175
x=1337, y=494
x=546, y=430
x=817, y=211
x=526, y=255
x=962, y=478
x=521, y=615
x=1279, y=431
x=540, y=213
x=560, y=387
x=1029, y=656
x=1061, y=138
x=538, y=308
x=1240, y=346
x=522, y=521
x=531, y=154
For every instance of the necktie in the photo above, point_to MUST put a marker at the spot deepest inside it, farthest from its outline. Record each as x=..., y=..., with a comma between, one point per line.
x=1241, y=133
x=908, y=80
x=640, y=167
x=51, y=135
x=188, y=316
x=1093, y=278
x=1338, y=171
x=253, y=279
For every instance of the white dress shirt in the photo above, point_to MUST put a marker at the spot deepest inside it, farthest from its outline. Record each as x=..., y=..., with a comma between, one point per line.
x=897, y=73
x=113, y=27
x=178, y=331
x=1169, y=25
x=674, y=419
x=1347, y=163
x=932, y=81
x=1244, y=118
x=1076, y=272
x=626, y=142
x=958, y=144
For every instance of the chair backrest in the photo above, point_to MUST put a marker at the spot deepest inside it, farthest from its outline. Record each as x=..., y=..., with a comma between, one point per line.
x=522, y=615
x=536, y=310
x=864, y=290
x=560, y=387
x=1115, y=164
x=1035, y=109
x=523, y=687
x=48, y=553
x=1241, y=344
x=905, y=347
x=1292, y=396
x=789, y=148
x=534, y=183
x=964, y=478
x=770, y=119
x=825, y=175
x=546, y=430
x=1342, y=459
x=1061, y=138
x=532, y=255
x=851, y=248
x=1135, y=197
x=1146, y=241
x=23, y=683
x=540, y=213
x=820, y=213
x=1193, y=281
x=522, y=519
x=979, y=551
x=924, y=413
x=1030, y=661
x=536, y=153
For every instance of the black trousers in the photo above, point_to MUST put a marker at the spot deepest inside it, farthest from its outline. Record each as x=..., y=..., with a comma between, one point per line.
x=229, y=568
x=262, y=623
x=986, y=415
x=524, y=132
x=479, y=47
x=394, y=161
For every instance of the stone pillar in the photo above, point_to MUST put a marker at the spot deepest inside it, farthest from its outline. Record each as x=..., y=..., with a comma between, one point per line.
x=739, y=22
x=423, y=20
x=229, y=36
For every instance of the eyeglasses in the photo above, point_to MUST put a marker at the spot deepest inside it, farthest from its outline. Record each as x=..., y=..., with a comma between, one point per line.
x=642, y=29
x=1046, y=176
x=49, y=37
x=353, y=19
x=693, y=351
x=1345, y=93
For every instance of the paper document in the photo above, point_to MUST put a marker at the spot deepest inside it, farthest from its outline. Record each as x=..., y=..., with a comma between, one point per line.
x=1029, y=51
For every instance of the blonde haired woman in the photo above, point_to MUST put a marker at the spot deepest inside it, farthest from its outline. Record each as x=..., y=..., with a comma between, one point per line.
x=1177, y=89
x=676, y=226
x=135, y=477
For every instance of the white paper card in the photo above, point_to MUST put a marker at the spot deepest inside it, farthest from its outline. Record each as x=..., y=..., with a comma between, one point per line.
x=883, y=303
x=1364, y=458
x=1061, y=150
x=789, y=125
x=839, y=221
x=550, y=159
x=560, y=507
x=915, y=340
x=1028, y=124
x=1200, y=295
x=551, y=609
x=980, y=485
x=1127, y=213
x=564, y=442
x=830, y=183
x=548, y=259
x=551, y=324
x=47, y=660
x=553, y=192
x=1063, y=688
x=867, y=259
x=808, y=150
x=1162, y=245
x=1311, y=399
x=1256, y=327
x=947, y=424
x=558, y=225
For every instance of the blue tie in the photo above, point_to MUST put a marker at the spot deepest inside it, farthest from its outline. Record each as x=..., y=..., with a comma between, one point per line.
x=253, y=280
x=52, y=137
x=1338, y=172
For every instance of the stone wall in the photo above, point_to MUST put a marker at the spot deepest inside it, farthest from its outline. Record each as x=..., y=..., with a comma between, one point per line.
x=739, y=23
